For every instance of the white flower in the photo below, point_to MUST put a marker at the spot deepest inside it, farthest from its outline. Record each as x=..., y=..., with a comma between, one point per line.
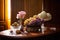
x=45, y=16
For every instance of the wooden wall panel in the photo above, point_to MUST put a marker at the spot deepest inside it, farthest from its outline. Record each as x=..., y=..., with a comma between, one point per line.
x=32, y=7
x=1, y=10
x=16, y=6
x=2, y=16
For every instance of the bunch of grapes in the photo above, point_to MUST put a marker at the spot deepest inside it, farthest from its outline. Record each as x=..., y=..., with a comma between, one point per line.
x=35, y=23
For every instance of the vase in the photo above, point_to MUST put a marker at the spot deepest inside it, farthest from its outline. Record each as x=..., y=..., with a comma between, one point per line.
x=43, y=27
x=20, y=24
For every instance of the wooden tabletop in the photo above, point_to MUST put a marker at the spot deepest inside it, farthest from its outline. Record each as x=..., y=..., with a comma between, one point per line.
x=49, y=30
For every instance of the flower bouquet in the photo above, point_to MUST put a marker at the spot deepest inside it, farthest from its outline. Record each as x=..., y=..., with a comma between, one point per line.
x=20, y=17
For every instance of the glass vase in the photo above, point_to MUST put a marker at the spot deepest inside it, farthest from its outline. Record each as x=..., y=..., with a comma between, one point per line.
x=20, y=24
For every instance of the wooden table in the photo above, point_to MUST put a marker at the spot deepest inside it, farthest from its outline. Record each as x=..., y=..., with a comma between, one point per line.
x=6, y=34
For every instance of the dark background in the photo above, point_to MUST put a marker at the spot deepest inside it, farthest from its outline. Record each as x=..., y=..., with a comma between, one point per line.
x=33, y=7
x=53, y=6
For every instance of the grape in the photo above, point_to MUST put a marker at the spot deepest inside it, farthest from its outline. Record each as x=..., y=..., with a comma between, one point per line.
x=35, y=23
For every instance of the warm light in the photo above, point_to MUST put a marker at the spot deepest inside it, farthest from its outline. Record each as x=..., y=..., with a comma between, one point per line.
x=8, y=12
x=9, y=9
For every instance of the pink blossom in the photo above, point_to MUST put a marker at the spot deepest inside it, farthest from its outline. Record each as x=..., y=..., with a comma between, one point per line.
x=21, y=14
